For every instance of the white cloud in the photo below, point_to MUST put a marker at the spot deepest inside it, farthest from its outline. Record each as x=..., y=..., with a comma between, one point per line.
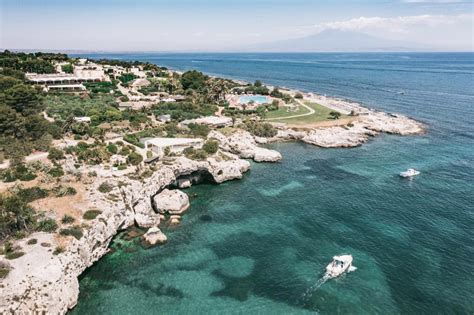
x=400, y=24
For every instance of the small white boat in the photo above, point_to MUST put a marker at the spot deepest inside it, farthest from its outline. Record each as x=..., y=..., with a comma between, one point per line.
x=409, y=173
x=339, y=265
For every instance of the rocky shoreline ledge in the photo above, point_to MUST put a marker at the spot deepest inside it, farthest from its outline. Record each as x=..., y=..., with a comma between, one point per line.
x=41, y=281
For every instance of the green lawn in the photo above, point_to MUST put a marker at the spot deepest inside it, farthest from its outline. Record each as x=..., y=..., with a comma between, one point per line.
x=283, y=112
x=321, y=114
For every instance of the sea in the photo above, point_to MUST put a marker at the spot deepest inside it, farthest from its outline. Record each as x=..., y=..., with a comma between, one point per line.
x=260, y=245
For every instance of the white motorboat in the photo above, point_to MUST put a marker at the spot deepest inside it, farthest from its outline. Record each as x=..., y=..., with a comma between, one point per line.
x=339, y=265
x=409, y=173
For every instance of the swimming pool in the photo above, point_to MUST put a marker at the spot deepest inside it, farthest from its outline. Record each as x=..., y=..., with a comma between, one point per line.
x=257, y=99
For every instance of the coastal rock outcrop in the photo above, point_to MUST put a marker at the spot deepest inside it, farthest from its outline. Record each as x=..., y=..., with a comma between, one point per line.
x=154, y=236
x=40, y=281
x=171, y=201
x=244, y=145
x=391, y=123
x=337, y=137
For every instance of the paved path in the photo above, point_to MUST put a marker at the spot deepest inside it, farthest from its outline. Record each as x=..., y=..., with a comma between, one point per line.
x=311, y=112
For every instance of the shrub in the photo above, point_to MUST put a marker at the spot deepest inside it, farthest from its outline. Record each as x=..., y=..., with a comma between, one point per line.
x=74, y=231
x=112, y=148
x=122, y=167
x=134, y=158
x=20, y=172
x=32, y=241
x=91, y=214
x=55, y=154
x=14, y=254
x=61, y=191
x=47, y=225
x=298, y=95
x=32, y=193
x=58, y=250
x=56, y=171
x=4, y=271
x=66, y=219
x=199, y=130
x=334, y=115
x=211, y=146
x=105, y=187
x=193, y=154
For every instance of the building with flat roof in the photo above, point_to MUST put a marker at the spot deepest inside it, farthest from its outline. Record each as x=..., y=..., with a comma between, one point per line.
x=176, y=145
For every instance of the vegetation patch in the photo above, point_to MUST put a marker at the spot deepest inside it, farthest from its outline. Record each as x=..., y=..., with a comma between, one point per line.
x=91, y=214
x=67, y=219
x=75, y=231
x=47, y=225
x=32, y=193
x=58, y=250
x=32, y=241
x=105, y=187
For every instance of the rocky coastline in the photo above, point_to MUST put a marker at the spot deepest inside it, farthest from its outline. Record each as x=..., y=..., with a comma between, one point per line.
x=40, y=281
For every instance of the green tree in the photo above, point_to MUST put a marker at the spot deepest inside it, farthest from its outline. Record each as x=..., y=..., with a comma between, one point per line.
x=23, y=98
x=335, y=115
x=55, y=154
x=134, y=158
x=68, y=68
x=193, y=80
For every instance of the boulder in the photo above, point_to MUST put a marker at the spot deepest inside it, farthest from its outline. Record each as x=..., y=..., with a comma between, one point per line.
x=243, y=144
x=174, y=220
x=154, y=236
x=145, y=216
x=171, y=201
x=265, y=155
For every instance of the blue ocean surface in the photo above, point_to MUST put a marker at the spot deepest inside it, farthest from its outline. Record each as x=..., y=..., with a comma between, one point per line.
x=259, y=245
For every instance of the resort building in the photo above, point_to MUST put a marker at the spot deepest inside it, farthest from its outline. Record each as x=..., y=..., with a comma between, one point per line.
x=176, y=145
x=68, y=81
x=83, y=119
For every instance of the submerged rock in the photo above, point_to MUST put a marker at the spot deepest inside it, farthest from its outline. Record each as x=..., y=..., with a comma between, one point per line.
x=154, y=236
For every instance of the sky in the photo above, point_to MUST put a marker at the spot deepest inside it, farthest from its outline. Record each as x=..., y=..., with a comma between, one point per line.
x=226, y=25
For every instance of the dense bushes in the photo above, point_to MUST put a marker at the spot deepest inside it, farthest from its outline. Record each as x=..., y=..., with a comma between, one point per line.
x=194, y=80
x=15, y=215
x=260, y=129
x=18, y=172
x=211, y=146
x=134, y=158
x=91, y=214
x=195, y=154
x=75, y=231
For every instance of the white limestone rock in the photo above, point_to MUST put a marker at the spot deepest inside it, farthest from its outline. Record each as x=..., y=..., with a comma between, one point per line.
x=336, y=137
x=145, y=216
x=244, y=145
x=266, y=155
x=154, y=236
x=171, y=201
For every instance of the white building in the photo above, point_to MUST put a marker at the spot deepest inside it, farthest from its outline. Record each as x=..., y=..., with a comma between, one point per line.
x=83, y=119
x=176, y=145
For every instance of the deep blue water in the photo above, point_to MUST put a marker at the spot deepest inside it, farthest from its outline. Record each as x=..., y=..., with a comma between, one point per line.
x=260, y=244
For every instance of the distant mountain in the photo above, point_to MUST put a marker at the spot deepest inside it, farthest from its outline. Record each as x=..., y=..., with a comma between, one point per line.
x=335, y=40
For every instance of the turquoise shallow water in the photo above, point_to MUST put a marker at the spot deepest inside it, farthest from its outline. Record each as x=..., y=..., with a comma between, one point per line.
x=260, y=244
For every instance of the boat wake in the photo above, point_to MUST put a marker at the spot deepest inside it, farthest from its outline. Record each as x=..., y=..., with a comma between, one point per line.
x=309, y=292
x=327, y=276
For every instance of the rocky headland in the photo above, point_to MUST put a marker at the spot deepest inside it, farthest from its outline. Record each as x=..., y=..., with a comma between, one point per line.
x=44, y=281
